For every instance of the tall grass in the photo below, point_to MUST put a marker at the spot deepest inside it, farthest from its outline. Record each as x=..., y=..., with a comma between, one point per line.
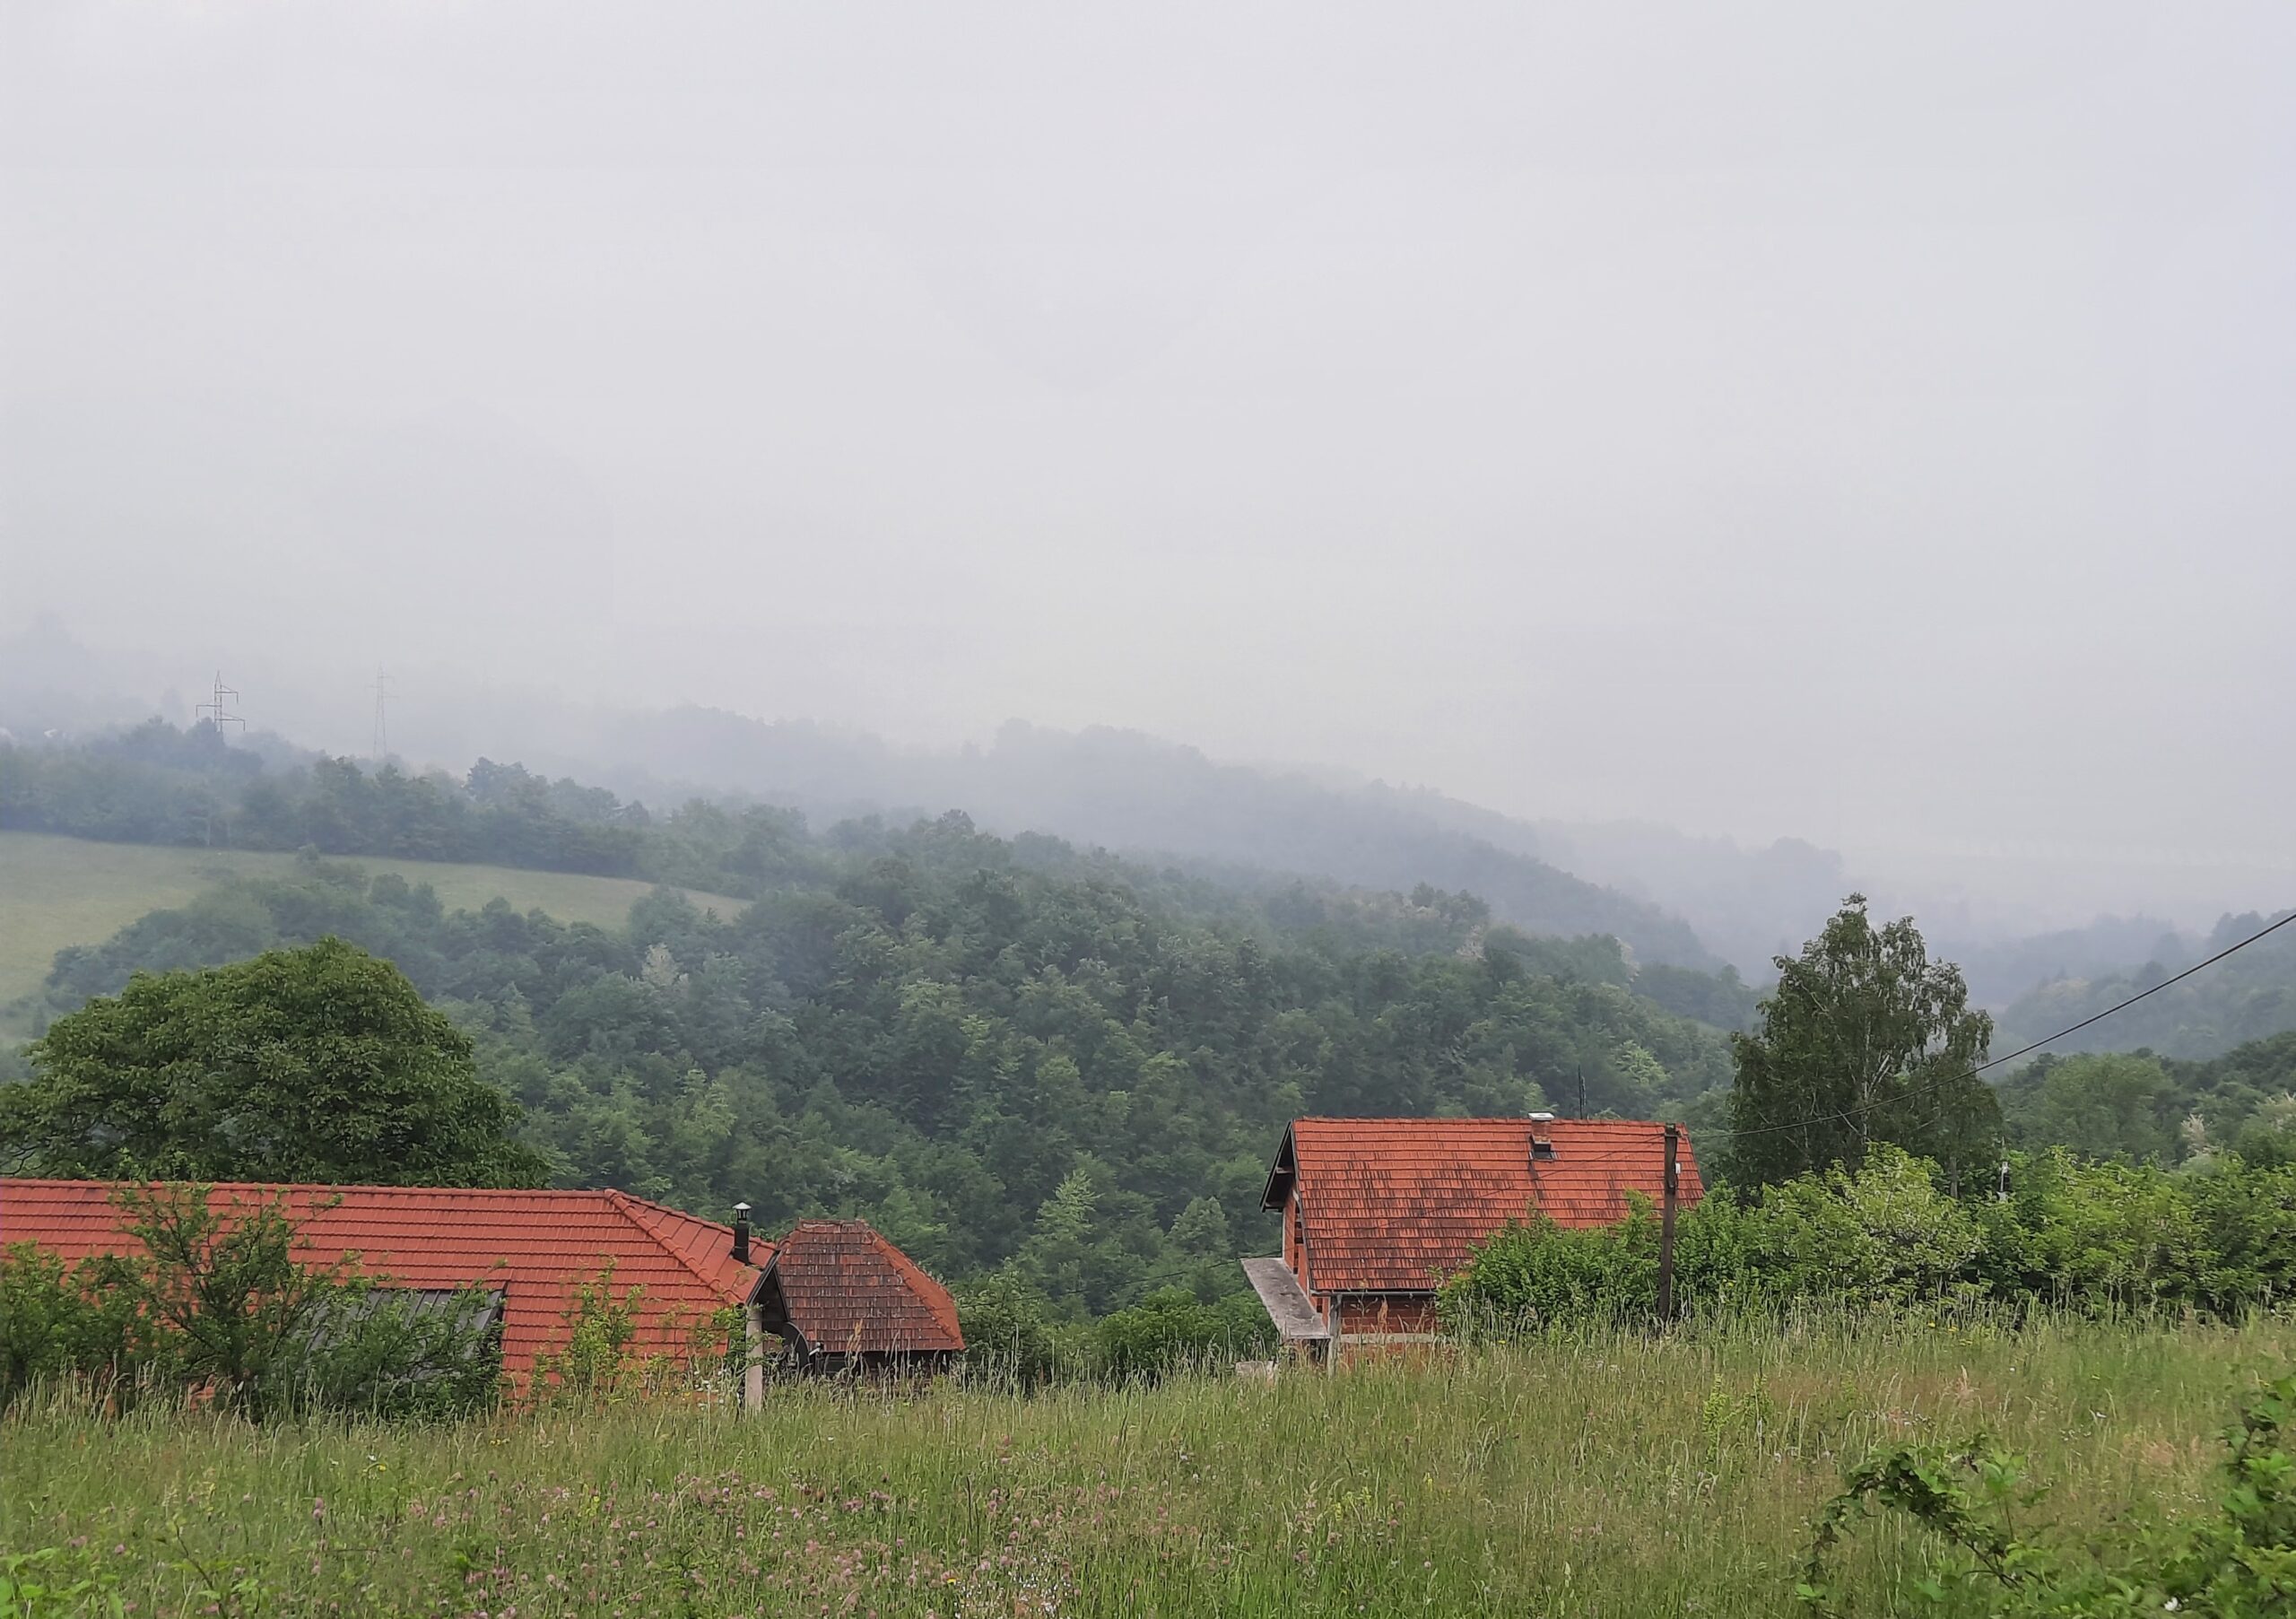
x=1595, y=1473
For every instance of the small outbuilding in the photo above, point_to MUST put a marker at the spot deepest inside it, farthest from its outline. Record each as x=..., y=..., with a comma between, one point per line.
x=846, y=1300
x=1376, y=1211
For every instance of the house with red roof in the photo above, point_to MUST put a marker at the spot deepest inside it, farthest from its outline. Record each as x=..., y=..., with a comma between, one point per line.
x=689, y=1282
x=845, y=1299
x=1376, y=1211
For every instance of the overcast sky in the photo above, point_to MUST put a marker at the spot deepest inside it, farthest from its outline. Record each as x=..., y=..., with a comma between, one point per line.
x=1877, y=424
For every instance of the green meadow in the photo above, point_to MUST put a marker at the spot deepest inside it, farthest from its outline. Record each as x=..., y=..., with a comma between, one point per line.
x=57, y=891
x=1605, y=1475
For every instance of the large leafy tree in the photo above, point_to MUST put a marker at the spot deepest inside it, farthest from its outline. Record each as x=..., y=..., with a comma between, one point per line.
x=1865, y=1040
x=321, y=1064
x=2101, y=1104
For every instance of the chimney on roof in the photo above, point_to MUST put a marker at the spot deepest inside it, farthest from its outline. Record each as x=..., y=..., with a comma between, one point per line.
x=1541, y=1136
x=742, y=1232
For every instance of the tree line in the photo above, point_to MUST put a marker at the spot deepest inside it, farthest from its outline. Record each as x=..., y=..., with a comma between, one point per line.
x=1045, y=1072
x=188, y=788
x=2249, y=997
x=1004, y=1056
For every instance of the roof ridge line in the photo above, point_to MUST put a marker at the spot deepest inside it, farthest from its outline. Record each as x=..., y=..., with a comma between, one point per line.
x=623, y=1202
x=918, y=1285
x=1435, y=1118
x=910, y=1273
x=344, y=1187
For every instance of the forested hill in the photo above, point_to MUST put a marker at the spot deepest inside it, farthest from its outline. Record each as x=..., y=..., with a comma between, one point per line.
x=2246, y=997
x=1134, y=793
x=998, y=1051
x=157, y=784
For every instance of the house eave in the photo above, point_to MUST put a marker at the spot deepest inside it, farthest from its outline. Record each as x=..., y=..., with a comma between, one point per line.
x=1285, y=1169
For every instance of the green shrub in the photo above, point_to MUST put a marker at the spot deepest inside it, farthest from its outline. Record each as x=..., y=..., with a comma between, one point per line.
x=1540, y=1272
x=55, y=1581
x=1169, y=1330
x=224, y=1309
x=1007, y=1339
x=597, y=1360
x=2238, y=1563
x=2088, y=1237
x=395, y=1356
x=1884, y=1234
x=60, y=1323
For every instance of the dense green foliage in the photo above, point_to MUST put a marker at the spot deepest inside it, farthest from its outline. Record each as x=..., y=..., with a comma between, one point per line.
x=157, y=784
x=1865, y=1040
x=1011, y=1341
x=222, y=1307
x=1125, y=790
x=2138, y=1107
x=2238, y=1563
x=2072, y=1234
x=2246, y=997
x=1002, y=1054
x=318, y=1063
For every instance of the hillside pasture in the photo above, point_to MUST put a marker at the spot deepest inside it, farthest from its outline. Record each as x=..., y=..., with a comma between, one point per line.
x=57, y=891
x=1606, y=1475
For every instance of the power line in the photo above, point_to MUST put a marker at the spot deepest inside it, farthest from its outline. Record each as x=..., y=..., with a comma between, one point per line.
x=2269, y=928
x=1844, y=1116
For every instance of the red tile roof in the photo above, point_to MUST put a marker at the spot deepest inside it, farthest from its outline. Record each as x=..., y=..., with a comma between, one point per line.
x=535, y=1246
x=1391, y=1205
x=847, y=1291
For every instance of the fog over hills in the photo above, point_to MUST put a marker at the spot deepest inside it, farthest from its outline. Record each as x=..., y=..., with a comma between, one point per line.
x=1867, y=428
x=1672, y=896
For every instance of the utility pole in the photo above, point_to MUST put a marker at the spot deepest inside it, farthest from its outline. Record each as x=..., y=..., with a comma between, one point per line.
x=1666, y=1227
x=217, y=711
x=381, y=749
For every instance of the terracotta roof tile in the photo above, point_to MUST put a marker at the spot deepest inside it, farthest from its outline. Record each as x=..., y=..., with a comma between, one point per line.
x=848, y=1290
x=535, y=1246
x=1391, y=1205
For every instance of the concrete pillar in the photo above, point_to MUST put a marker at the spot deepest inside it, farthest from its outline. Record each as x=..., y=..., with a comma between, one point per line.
x=753, y=1371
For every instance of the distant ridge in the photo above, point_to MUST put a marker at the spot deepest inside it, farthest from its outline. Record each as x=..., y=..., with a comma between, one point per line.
x=1137, y=795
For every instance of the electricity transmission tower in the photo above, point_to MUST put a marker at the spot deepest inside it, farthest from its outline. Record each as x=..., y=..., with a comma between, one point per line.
x=217, y=709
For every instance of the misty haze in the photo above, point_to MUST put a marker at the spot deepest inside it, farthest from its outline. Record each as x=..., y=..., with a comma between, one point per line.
x=956, y=618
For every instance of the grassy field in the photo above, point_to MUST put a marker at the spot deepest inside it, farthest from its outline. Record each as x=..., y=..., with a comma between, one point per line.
x=56, y=892
x=1613, y=1477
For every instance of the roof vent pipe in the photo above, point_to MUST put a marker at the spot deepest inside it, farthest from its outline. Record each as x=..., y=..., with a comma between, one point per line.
x=742, y=1233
